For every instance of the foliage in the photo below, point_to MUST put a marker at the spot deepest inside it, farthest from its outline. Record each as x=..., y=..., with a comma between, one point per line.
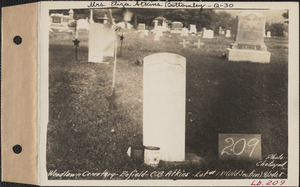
x=286, y=14
x=226, y=21
x=203, y=19
x=147, y=16
x=72, y=24
x=277, y=29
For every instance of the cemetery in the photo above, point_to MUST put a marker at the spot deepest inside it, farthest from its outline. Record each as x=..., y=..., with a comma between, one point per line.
x=132, y=99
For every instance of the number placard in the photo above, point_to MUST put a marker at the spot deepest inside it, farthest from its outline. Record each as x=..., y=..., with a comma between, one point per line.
x=243, y=146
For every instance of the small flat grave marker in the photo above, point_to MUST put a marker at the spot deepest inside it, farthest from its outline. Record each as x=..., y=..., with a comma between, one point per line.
x=198, y=43
x=240, y=146
x=184, y=43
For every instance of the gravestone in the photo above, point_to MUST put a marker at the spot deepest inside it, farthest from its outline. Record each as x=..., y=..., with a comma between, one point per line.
x=155, y=24
x=71, y=14
x=165, y=26
x=220, y=30
x=95, y=43
x=101, y=38
x=159, y=31
x=269, y=34
x=184, y=32
x=83, y=24
x=193, y=29
x=183, y=43
x=164, y=83
x=198, y=43
x=208, y=33
x=228, y=34
x=146, y=32
x=141, y=27
x=176, y=27
x=57, y=18
x=249, y=44
x=128, y=26
x=108, y=40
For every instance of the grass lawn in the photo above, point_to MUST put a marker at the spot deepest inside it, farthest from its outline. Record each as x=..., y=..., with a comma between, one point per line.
x=221, y=97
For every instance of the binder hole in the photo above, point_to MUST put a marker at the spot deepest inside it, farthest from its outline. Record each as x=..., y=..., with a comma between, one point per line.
x=17, y=40
x=17, y=149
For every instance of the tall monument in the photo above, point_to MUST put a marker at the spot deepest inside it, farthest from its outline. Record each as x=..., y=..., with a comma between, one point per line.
x=249, y=44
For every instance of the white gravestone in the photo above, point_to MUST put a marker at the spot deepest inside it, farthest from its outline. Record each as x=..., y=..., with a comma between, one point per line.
x=164, y=85
x=96, y=43
x=109, y=39
x=83, y=24
x=228, y=34
x=198, y=43
x=184, y=32
x=165, y=26
x=208, y=33
x=269, y=34
x=155, y=25
x=159, y=31
x=176, y=27
x=141, y=27
x=183, y=43
x=193, y=29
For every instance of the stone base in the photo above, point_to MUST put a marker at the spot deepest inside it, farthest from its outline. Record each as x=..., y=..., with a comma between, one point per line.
x=248, y=55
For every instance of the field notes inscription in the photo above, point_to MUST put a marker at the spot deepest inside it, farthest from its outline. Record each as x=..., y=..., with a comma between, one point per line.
x=244, y=146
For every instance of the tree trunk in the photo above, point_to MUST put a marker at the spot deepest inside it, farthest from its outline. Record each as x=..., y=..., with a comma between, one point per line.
x=135, y=21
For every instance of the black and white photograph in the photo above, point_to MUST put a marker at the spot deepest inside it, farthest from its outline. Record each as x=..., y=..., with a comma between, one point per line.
x=170, y=93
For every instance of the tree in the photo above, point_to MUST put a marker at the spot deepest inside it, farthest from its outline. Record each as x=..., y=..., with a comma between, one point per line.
x=277, y=29
x=146, y=15
x=226, y=21
x=286, y=15
x=204, y=18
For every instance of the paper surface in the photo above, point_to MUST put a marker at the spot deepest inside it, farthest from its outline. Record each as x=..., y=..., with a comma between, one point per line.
x=19, y=93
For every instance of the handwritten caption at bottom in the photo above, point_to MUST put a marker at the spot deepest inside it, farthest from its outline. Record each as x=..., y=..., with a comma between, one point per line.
x=171, y=174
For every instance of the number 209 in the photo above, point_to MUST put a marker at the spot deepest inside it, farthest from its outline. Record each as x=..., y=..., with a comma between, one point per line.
x=252, y=143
